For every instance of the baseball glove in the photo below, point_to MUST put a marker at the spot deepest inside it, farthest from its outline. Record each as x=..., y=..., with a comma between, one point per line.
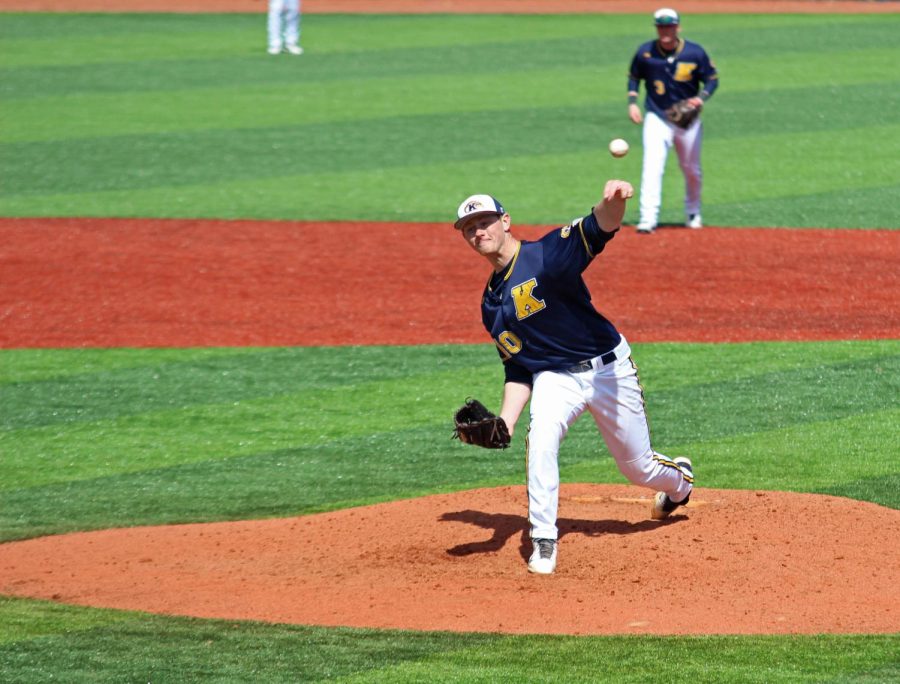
x=682, y=113
x=476, y=425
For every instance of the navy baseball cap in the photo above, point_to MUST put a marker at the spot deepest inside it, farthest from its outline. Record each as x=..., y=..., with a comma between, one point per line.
x=476, y=205
x=666, y=17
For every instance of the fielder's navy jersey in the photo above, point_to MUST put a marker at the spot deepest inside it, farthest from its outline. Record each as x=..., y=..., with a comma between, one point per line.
x=538, y=309
x=672, y=77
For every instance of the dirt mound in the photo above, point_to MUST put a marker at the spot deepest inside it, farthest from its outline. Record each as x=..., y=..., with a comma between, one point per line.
x=740, y=562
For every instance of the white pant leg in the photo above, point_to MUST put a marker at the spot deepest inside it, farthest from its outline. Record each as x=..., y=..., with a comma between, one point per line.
x=657, y=139
x=276, y=8
x=556, y=402
x=292, y=22
x=616, y=401
x=687, y=146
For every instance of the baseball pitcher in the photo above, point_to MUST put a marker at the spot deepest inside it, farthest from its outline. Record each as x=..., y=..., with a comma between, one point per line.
x=565, y=357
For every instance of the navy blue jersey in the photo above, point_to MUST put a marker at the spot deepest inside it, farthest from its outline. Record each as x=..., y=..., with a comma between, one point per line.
x=538, y=309
x=674, y=76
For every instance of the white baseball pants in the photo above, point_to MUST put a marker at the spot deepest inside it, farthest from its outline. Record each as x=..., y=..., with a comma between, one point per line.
x=284, y=23
x=658, y=136
x=613, y=396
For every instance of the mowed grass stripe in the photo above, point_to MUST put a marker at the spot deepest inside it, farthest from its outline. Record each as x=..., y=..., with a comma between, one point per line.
x=861, y=207
x=181, y=158
x=194, y=432
x=416, y=462
x=787, y=193
x=754, y=158
x=29, y=368
x=41, y=637
x=78, y=386
x=172, y=59
x=301, y=480
x=181, y=60
x=176, y=158
x=386, y=435
x=24, y=620
x=92, y=38
x=253, y=69
x=102, y=115
x=265, y=106
x=123, y=38
x=811, y=456
x=160, y=379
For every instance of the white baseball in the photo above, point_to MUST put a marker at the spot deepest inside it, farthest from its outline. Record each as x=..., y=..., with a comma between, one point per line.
x=618, y=147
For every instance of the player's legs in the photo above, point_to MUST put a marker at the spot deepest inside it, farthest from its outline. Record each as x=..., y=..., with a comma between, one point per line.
x=276, y=9
x=556, y=402
x=657, y=139
x=292, y=22
x=687, y=146
x=616, y=401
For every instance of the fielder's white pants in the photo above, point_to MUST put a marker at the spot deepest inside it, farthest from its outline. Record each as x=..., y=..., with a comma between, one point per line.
x=613, y=396
x=284, y=23
x=658, y=136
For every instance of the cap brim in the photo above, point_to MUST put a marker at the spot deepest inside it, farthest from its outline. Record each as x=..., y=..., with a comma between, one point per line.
x=459, y=222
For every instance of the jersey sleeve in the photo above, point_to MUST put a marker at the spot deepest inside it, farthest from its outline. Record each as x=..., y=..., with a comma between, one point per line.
x=513, y=372
x=709, y=75
x=570, y=249
x=595, y=236
x=635, y=72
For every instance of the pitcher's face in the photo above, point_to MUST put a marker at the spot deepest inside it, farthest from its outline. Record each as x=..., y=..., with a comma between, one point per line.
x=486, y=234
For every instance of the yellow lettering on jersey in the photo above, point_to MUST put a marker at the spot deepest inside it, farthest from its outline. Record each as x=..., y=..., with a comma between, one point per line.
x=526, y=303
x=685, y=71
x=508, y=343
x=659, y=87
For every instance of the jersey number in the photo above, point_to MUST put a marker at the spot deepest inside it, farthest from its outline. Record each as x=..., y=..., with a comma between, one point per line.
x=659, y=87
x=508, y=344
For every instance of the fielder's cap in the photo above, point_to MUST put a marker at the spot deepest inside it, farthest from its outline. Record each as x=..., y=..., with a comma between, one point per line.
x=666, y=17
x=475, y=205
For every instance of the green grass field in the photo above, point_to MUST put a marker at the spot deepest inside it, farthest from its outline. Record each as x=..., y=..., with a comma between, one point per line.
x=396, y=118
x=186, y=116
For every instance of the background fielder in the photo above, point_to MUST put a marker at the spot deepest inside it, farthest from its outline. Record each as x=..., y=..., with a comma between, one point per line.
x=283, y=27
x=563, y=355
x=672, y=69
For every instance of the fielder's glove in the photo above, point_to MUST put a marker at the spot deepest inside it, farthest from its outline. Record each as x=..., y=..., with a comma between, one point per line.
x=476, y=425
x=682, y=113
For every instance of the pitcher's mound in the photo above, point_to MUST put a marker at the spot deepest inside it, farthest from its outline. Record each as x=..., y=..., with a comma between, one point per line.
x=733, y=562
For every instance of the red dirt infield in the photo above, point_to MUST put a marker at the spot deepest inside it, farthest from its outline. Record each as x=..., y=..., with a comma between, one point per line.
x=184, y=283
